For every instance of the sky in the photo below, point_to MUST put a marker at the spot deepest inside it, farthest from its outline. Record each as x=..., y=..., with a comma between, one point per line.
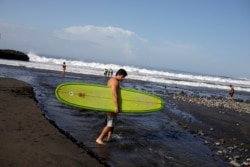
x=206, y=37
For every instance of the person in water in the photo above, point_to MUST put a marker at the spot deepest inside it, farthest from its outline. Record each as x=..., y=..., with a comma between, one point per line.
x=63, y=68
x=231, y=92
x=114, y=83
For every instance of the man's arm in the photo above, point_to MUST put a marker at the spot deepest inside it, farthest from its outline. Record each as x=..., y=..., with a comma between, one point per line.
x=114, y=89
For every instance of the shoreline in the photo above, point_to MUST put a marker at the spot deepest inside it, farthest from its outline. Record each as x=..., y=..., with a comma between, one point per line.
x=224, y=130
x=223, y=94
x=27, y=137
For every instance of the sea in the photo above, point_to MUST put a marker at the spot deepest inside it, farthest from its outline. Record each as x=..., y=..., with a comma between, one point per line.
x=139, y=140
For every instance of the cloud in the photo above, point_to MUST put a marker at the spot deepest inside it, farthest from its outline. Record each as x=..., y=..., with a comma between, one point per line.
x=100, y=42
x=95, y=43
x=112, y=38
x=94, y=33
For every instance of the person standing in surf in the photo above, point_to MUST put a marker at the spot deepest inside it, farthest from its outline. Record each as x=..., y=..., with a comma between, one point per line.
x=231, y=92
x=63, y=68
x=114, y=83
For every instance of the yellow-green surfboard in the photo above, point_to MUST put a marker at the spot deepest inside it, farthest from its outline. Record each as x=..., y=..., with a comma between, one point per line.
x=99, y=98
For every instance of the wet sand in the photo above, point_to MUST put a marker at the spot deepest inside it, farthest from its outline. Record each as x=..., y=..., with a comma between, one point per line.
x=28, y=138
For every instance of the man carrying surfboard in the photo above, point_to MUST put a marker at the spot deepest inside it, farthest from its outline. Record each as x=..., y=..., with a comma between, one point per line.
x=114, y=83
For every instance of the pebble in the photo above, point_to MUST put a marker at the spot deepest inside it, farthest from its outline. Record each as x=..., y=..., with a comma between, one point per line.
x=201, y=133
x=245, y=164
x=234, y=163
x=236, y=157
x=206, y=142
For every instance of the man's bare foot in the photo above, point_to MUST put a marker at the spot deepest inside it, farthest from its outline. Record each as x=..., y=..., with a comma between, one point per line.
x=99, y=141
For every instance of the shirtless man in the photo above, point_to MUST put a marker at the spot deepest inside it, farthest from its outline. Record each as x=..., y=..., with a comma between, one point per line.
x=111, y=116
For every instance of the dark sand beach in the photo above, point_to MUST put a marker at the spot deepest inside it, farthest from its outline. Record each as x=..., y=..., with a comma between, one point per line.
x=204, y=136
x=27, y=138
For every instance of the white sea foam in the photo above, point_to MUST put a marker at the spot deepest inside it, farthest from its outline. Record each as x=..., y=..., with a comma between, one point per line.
x=164, y=77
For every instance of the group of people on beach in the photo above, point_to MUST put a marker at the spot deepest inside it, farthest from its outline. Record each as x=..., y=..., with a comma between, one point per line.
x=114, y=83
x=108, y=73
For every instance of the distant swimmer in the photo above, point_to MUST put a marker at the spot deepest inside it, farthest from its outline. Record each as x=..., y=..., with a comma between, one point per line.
x=63, y=68
x=231, y=92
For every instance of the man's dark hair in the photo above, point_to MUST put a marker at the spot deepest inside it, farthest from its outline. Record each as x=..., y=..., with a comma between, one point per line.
x=121, y=72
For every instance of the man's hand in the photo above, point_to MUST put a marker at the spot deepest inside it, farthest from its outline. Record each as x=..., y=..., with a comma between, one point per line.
x=117, y=110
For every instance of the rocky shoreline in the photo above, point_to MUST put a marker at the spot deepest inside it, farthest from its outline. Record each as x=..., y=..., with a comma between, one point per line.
x=217, y=103
x=13, y=55
x=223, y=124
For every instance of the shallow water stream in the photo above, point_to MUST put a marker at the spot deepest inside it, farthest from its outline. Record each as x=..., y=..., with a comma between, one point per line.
x=139, y=140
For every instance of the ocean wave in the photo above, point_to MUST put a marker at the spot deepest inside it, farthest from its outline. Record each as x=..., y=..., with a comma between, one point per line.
x=143, y=74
